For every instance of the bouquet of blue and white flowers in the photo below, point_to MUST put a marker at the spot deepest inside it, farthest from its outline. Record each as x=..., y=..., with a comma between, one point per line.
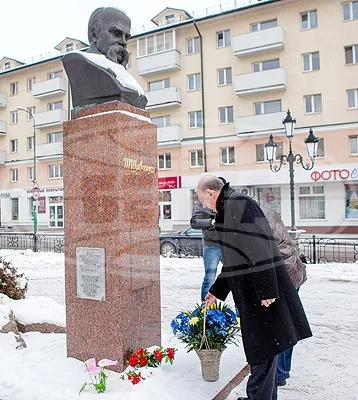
x=212, y=327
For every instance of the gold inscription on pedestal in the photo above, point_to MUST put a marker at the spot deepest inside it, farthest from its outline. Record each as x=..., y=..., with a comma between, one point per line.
x=134, y=165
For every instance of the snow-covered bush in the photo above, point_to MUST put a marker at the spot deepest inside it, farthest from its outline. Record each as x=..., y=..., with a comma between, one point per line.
x=12, y=283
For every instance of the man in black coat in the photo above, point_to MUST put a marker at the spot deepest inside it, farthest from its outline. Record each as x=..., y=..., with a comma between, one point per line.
x=272, y=317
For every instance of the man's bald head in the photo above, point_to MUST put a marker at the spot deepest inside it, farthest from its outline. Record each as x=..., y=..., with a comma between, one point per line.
x=210, y=182
x=208, y=190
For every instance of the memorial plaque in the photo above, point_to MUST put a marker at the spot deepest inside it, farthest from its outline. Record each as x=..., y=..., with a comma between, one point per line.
x=90, y=263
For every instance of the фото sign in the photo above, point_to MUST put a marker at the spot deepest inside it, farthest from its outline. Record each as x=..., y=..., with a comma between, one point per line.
x=334, y=174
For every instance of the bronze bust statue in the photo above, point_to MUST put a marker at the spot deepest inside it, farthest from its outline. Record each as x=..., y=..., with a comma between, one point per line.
x=99, y=75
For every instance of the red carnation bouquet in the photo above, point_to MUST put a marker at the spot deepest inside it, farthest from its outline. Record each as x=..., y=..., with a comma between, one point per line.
x=144, y=358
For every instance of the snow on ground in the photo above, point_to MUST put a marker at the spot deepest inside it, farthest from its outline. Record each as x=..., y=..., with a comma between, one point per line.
x=324, y=367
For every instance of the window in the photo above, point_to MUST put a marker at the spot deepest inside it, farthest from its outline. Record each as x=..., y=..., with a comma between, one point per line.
x=350, y=11
x=14, y=175
x=14, y=146
x=195, y=119
x=226, y=115
x=313, y=104
x=353, y=145
x=311, y=202
x=270, y=197
x=311, y=62
x=193, y=45
x=268, y=107
x=164, y=161
x=69, y=47
x=223, y=38
x=56, y=212
x=351, y=201
x=169, y=19
x=53, y=75
x=309, y=20
x=158, y=85
x=261, y=152
x=194, y=82
x=30, y=83
x=55, y=106
x=227, y=155
x=156, y=43
x=351, y=54
x=352, y=96
x=31, y=110
x=266, y=65
x=161, y=121
x=55, y=171
x=30, y=143
x=30, y=173
x=196, y=158
x=224, y=76
x=54, y=137
x=264, y=25
x=14, y=88
x=31, y=207
x=7, y=65
x=14, y=117
x=14, y=209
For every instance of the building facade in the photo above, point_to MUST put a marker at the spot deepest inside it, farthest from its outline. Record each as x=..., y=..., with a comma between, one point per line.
x=218, y=83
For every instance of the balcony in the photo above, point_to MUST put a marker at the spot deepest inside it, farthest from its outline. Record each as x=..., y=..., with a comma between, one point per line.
x=165, y=61
x=169, y=135
x=3, y=128
x=49, y=88
x=162, y=98
x=260, y=123
x=260, y=82
x=50, y=118
x=260, y=41
x=48, y=151
x=3, y=100
x=2, y=157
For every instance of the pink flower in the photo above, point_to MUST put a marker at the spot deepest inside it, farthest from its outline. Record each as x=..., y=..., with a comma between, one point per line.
x=106, y=363
x=91, y=366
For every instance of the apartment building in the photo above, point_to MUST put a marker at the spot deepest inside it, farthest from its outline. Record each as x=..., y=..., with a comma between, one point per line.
x=219, y=83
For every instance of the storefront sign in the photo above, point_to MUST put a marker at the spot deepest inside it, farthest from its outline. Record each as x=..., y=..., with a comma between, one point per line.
x=4, y=195
x=334, y=174
x=42, y=205
x=47, y=190
x=172, y=182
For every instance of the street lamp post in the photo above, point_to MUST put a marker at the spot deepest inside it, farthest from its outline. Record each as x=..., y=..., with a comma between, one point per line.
x=34, y=182
x=271, y=147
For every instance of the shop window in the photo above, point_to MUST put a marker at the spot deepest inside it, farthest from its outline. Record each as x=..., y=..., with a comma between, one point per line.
x=351, y=201
x=312, y=202
x=270, y=197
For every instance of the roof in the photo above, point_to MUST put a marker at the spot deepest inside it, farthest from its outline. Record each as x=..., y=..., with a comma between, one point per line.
x=174, y=9
x=11, y=59
x=58, y=47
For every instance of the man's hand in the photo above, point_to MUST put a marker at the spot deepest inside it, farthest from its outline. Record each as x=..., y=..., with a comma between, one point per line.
x=209, y=299
x=267, y=302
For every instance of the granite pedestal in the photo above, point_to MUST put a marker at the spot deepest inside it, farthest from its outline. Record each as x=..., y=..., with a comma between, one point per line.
x=111, y=204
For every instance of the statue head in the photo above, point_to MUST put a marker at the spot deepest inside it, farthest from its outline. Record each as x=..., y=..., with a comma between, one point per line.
x=108, y=33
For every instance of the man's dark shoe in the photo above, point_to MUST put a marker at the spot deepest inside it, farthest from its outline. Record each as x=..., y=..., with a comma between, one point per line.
x=281, y=383
x=287, y=375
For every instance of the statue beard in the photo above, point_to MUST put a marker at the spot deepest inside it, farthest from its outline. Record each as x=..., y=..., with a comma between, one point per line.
x=118, y=54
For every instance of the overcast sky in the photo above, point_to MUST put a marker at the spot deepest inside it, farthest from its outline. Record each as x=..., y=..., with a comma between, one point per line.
x=32, y=27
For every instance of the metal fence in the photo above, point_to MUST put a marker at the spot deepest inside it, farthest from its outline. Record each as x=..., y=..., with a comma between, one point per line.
x=327, y=250
x=315, y=249
x=22, y=241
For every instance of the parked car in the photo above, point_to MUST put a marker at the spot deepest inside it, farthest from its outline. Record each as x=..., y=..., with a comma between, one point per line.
x=187, y=243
